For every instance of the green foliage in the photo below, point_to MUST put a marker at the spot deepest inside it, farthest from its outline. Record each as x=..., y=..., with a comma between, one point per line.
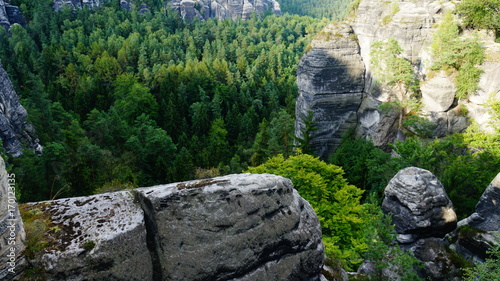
x=336, y=203
x=456, y=54
x=123, y=99
x=386, y=253
x=453, y=163
x=487, y=271
x=366, y=166
x=393, y=70
x=332, y=10
x=480, y=13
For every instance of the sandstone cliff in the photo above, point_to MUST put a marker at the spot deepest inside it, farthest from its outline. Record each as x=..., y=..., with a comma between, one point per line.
x=222, y=9
x=413, y=24
x=15, y=131
x=12, y=234
x=237, y=227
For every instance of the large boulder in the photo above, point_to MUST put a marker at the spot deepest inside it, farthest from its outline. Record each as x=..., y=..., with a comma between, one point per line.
x=100, y=237
x=330, y=78
x=15, y=131
x=238, y=227
x=11, y=227
x=419, y=205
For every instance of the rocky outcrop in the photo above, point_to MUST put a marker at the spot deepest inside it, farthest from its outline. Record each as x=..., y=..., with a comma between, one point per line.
x=222, y=9
x=59, y=4
x=423, y=214
x=15, y=131
x=11, y=228
x=330, y=77
x=419, y=205
x=479, y=232
x=413, y=24
x=238, y=227
x=10, y=15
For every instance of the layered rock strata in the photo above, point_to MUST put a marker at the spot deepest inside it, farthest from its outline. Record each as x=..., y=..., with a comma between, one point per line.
x=422, y=214
x=330, y=77
x=238, y=227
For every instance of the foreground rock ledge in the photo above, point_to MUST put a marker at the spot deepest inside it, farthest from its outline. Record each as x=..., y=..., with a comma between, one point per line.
x=243, y=227
x=237, y=227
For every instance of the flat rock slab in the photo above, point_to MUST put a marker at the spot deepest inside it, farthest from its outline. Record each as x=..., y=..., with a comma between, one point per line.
x=241, y=227
x=100, y=237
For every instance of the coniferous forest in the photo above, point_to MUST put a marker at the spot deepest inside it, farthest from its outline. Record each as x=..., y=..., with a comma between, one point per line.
x=123, y=99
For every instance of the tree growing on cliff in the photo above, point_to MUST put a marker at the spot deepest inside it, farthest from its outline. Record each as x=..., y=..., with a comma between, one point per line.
x=393, y=70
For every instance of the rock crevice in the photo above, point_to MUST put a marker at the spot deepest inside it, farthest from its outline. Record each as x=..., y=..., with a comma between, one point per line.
x=237, y=227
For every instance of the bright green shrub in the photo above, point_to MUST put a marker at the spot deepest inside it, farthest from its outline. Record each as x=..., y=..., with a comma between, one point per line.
x=335, y=201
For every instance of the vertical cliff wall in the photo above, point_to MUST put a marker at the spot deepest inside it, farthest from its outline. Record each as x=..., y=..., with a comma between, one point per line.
x=15, y=131
x=413, y=24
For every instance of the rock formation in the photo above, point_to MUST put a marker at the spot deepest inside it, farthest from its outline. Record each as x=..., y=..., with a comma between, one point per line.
x=221, y=9
x=331, y=81
x=238, y=227
x=479, y=232
x=10, y=15
x=58, y=4
x=11, y=228
x=423, y=214
x=413, y=25
x=15, y=131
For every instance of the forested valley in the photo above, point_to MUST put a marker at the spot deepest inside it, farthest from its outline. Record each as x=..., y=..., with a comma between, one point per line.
x=122, y=99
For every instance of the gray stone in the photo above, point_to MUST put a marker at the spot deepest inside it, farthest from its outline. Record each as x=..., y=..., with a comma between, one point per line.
x=222, y=9
x=238, y=227
x=330, y=78
x=419, y=204
x=10, y=15
x=112, y=224
x=438, y=93
x=438, y=261
x=12, y=234
x=14, y=129
x=480, y=231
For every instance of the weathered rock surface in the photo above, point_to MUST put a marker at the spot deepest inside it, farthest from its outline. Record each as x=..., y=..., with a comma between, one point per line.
x=10, y=15
x=419, y=205
x=479, y=232
x=330, y=78
x=423, y=214
x=237, y=227
x=15, y=131
x=101, y=237
x=222, y=9
x=11, y=228
x=59, y=4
